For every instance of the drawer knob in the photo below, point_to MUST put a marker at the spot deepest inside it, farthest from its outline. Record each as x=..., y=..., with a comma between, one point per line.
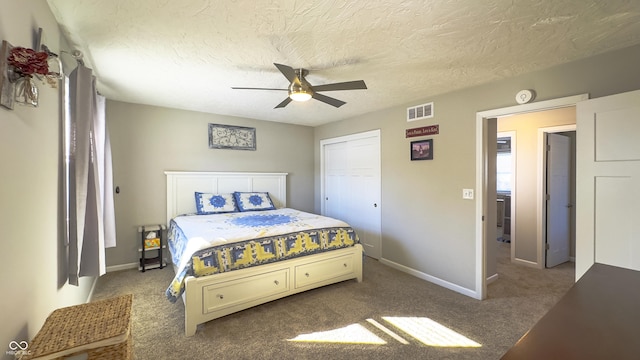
x=345, y=265
x=306, y=274
x=220, y=296
x=276, y=282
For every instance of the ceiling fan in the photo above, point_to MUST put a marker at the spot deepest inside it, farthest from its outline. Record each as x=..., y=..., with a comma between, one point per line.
x=300, y=90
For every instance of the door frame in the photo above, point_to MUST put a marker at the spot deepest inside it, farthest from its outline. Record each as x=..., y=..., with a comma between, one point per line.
x=481, y=144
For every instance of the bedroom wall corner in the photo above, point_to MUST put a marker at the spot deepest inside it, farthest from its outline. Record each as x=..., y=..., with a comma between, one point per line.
x=30, y=190
x=148, y=140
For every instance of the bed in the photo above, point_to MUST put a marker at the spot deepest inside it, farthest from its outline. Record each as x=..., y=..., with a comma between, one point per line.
x=224, y=271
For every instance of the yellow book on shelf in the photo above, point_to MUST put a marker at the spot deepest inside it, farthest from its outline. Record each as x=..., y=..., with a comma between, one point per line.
x=151, y=243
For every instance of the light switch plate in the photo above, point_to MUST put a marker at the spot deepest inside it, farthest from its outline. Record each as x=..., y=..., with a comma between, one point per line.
x=467, y=194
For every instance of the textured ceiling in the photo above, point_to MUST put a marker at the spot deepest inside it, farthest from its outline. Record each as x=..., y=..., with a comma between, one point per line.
x=187, y=54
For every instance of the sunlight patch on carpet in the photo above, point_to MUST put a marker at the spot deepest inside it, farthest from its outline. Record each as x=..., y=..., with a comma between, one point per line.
x=430, y=332
x=387, y=331
x=352, y=334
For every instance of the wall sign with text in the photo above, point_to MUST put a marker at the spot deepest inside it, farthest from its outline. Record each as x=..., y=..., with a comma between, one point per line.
x=423, y=131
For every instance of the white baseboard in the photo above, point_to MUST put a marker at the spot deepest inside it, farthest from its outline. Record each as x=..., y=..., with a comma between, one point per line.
x=122, y=267
x=492, y=278
x=429, y=278
x=127, y=266
x=527, y=263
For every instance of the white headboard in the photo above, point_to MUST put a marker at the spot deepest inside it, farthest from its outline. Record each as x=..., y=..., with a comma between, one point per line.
x=181, y=186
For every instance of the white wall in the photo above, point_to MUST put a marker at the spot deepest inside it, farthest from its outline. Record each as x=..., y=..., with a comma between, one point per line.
x=33, y=265
x=148, y=140
x=426, y=225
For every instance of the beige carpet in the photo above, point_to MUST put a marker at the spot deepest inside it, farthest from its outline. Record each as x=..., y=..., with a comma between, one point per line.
x=515, y=302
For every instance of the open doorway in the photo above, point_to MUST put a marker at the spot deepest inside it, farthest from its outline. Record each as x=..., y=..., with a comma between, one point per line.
x=529, y=239
x=536, y=184
x=505, y=183
x=505, y=192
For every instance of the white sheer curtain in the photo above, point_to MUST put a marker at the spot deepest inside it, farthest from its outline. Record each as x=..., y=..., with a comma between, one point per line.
x=91, y=218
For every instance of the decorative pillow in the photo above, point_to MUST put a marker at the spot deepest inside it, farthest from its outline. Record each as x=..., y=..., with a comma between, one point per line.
x=253, y=201
x=207, y=203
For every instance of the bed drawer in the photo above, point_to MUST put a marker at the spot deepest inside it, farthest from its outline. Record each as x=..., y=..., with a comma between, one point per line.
x=244, y=290
x=323, y=270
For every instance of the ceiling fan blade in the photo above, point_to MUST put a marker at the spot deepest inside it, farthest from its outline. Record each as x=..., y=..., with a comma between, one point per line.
x=328, y=100
x=251, y=88
x=284, y=103
x=349, y=85
x=287, y=71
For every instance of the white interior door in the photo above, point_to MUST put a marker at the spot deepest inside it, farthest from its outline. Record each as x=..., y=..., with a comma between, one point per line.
x=352, y=186
x=558, y=200
x=364, y=189
x=335, y=180
x=608, y=185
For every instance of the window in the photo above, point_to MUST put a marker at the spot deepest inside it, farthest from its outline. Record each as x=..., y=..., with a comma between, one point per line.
x=504, y=166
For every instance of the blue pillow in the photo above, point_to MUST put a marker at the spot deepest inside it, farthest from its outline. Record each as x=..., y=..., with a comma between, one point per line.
x=253, y=201
x=207, y=203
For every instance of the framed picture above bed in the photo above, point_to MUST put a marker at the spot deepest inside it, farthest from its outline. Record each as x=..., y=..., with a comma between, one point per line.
x=232, y=137
x=422, y=150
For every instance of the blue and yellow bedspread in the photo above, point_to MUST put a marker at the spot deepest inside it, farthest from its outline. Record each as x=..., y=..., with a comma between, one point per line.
x=203, y=245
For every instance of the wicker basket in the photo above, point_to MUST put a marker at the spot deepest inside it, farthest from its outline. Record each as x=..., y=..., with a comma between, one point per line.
x=101, y=329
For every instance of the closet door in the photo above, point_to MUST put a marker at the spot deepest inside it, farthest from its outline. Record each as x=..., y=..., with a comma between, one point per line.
x=351, y=185
x=335, y=180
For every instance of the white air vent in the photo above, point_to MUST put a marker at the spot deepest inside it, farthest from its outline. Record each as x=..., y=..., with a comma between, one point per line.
x=420, y=112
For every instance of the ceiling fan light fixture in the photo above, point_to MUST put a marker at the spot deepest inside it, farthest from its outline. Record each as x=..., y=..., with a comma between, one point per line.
x=300, y=96
x=299, y=92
